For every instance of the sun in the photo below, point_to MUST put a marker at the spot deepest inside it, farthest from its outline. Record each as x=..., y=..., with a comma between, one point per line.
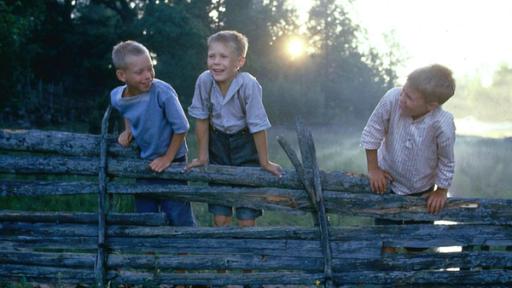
x=295, y=47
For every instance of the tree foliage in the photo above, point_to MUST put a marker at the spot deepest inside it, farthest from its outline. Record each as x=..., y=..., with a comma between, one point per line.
x=490, y=103
x=56, y=66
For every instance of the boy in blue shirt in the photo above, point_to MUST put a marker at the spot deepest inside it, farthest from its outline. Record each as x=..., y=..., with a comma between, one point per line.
x=153, y=116
x=231, y=121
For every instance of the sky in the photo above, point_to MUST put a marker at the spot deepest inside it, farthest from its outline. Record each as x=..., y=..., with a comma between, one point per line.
x=472, y=37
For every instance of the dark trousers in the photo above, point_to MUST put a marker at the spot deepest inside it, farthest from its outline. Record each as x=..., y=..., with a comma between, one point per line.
x=236, y=149
x=178, y=213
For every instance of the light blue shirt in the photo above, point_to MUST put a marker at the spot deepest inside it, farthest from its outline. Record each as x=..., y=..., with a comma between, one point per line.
x=154, y=117
x=241, y=107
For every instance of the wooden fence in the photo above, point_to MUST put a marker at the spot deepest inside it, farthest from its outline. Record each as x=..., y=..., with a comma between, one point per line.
x=107, y=248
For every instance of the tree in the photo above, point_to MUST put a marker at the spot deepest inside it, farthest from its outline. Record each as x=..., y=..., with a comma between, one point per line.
x=18, y=20
x=348, y=78
x=180, y=53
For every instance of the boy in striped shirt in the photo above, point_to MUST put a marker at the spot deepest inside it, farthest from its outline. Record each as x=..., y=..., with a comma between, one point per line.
x=409, y=138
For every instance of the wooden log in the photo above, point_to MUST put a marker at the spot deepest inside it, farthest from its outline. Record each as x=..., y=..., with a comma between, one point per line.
x=400, y=235
x=60, y=142
x=297, y=248
x=48, y=229
x=47, y=164
x=281, y=248
x=42, y=259
x=499, y=278
x=495, y=211
x=250, y=176
x=431, y=261
x=46, y=274
x=276, y=232
x=148, y=219
x=46, y=188
x=396, y=262
x=292, y=156
x=391, y=206
x=85, y=244
x=405, y=279
x=101, y=256
x=269, y=198
x=312, y=173
x=215, y=262
x=163, y=261
x=148, y=278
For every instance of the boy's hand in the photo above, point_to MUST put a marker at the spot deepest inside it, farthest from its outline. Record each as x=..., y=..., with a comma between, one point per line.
x=379, y=180
x=195, y=163
x=436, y=200
x=125, y=138
x=160, y=164
x=273, y=168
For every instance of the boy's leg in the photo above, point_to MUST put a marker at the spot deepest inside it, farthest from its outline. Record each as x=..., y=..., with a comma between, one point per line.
x=145, y=204
x=247, y=216
x=382, y=221
x=222, y=215
x=179, y=213
x=244, y=153
x=221, y=221
x=219, y=149
x=247, y=223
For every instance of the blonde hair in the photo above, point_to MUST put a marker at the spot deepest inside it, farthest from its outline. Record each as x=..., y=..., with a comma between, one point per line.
x=236, y=39
x=123, y=50
x=434, y=82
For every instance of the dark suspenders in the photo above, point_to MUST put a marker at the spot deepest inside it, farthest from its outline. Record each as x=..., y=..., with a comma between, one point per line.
x=241, y=101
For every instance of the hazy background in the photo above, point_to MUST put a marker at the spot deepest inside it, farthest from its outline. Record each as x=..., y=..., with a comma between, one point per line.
x=326, y=61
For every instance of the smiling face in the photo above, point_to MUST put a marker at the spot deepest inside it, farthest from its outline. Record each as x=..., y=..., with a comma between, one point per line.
x=223, y=63
x=413, y=103
x=138, y=74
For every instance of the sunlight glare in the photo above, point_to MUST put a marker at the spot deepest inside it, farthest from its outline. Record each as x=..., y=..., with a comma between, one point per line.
x=295, y=47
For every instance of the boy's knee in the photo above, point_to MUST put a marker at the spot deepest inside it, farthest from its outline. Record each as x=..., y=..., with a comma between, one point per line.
x=247, y=223
x=221, y=220
x=388, y=250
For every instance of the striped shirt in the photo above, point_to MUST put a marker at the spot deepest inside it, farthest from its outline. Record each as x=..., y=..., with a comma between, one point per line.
x=241, y=107
x=417, y=153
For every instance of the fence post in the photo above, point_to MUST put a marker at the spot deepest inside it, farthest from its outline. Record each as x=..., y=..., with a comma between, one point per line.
x=312, y=172
x=309, y=174
x=101, y=257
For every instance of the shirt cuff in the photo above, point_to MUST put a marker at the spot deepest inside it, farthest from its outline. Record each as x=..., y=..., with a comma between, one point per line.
x=257, y=128
x=370, y=145
x=198, y=114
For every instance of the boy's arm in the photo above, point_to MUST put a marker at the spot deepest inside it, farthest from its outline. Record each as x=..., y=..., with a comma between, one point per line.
x=260, y=139
x=162, y=162
x=446, y=167
x=378, y=178
x=436, y=200
x=202, y=136
x=372, y=136
x=126, y=136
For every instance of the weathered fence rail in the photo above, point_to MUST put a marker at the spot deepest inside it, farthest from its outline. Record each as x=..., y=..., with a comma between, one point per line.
x=120, y=248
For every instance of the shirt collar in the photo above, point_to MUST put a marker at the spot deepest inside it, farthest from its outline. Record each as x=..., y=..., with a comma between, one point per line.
x=233, y=88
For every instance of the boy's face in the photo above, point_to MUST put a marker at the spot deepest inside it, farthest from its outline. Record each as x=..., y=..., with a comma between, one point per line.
x=414, y=104
x=223, y=62
x=138, y=74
